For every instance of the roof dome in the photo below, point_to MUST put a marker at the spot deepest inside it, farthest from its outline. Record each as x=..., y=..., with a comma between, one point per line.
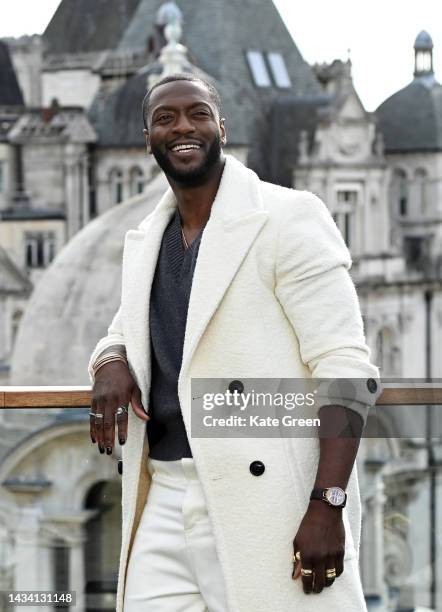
x=75, y=300
x=411, y=119
x=423, y=41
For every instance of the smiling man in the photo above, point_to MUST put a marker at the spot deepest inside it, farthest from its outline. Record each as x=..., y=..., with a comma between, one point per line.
x=229, y=277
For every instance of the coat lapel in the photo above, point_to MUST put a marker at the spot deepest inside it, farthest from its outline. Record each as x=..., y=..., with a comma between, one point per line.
x=236, y=218
x=141, y=251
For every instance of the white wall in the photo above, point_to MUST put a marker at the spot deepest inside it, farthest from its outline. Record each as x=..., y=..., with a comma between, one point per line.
x=70, y=87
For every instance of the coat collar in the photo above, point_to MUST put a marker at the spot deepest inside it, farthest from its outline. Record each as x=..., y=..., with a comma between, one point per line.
x=236, y=217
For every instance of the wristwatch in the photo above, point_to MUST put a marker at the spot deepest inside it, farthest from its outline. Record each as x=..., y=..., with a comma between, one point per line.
x=333, y=496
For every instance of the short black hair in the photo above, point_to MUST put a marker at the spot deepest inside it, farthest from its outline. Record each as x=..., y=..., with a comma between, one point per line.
x=182, y=76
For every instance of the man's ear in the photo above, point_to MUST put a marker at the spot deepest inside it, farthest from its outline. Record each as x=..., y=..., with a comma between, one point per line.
x=223, y=131
x=146, y=136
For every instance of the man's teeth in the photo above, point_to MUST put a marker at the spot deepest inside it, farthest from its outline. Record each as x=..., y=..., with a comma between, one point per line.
x=185, y=147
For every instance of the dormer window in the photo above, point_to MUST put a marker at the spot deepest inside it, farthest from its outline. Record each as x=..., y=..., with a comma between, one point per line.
x=258, y=68
x=269, y=69
x=279, y=70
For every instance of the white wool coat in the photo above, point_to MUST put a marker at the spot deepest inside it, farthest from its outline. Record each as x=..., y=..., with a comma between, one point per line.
x=271, y=298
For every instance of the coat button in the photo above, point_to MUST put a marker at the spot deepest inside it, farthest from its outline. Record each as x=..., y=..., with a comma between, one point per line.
x=372, y=385
x=120, y=467
x=257, y=468
x=236, y=385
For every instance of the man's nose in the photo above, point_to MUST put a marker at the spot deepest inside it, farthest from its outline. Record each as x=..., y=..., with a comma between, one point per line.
x=183, y=124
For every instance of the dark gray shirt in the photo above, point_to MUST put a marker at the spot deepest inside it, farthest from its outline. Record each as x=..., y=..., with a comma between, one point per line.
x=169, y=301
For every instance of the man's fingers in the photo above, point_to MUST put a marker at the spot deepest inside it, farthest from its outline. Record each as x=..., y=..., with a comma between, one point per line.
x=296, y=562
x=137, y=406
x=307, y=574
x=122, y=419
x=319, y=581
x=330, y=567
x=109, y=427
x=99, y=429
x=297, y=571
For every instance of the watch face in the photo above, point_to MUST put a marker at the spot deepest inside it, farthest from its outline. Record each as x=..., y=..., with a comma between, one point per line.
x=335, y=496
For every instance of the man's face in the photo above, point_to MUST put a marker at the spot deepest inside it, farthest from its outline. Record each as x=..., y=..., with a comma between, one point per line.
x=185, y=132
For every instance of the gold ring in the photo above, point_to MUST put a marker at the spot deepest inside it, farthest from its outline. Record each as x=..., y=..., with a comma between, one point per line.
x=306, y=572
x=331, y=573
x=297, y=557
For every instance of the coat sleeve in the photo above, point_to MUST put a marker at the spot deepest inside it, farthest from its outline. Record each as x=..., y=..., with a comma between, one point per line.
x=114, y=337
x=316, y=292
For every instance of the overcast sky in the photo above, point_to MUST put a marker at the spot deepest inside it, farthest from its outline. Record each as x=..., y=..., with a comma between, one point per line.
x=379, y=34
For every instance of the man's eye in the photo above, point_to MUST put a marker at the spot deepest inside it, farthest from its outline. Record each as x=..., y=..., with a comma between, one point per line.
x=163, y=117
x=202, y=113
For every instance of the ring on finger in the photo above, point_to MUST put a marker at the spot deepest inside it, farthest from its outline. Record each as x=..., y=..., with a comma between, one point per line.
x=331, y=573
x=97, y=415
x=306, y=572
x=121, y=410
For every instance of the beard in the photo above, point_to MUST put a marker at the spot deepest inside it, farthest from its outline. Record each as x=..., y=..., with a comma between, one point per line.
x=191, y=176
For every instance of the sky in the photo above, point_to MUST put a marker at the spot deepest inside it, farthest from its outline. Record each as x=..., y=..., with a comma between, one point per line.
x=377, y=35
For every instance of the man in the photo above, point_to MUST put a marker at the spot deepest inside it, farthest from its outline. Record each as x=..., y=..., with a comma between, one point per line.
x=229, y=277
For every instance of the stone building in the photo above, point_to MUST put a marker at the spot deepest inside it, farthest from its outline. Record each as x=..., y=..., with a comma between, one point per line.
x=82, y=173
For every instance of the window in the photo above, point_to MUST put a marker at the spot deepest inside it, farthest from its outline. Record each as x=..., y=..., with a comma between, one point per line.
x=417, y=251
x=387, y=353
x=39, y=249
x=400, y=192
x=424, y=61
x=116, y=185
x=346, y=202
x=136, y=181
x=258, y=69
x=421, y=181
x=279, y=70
x=2, y=176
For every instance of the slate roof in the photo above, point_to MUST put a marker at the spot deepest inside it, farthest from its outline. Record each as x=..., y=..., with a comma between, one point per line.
x=80, y=26
x=275, y=156
x=411, y=119
x=217, y=35
x=10, y=92
x=118, y=119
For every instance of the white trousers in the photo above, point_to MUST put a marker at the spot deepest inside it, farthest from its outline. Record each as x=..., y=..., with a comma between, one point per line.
x=173, y=566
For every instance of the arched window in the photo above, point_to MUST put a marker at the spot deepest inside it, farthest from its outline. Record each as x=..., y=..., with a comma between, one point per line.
x=136, y=181
x=116, y=185
x=400, y=192
x=421, y=180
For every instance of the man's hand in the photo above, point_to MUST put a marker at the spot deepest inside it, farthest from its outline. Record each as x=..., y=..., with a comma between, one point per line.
x=114, y=386
x=321, y=543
